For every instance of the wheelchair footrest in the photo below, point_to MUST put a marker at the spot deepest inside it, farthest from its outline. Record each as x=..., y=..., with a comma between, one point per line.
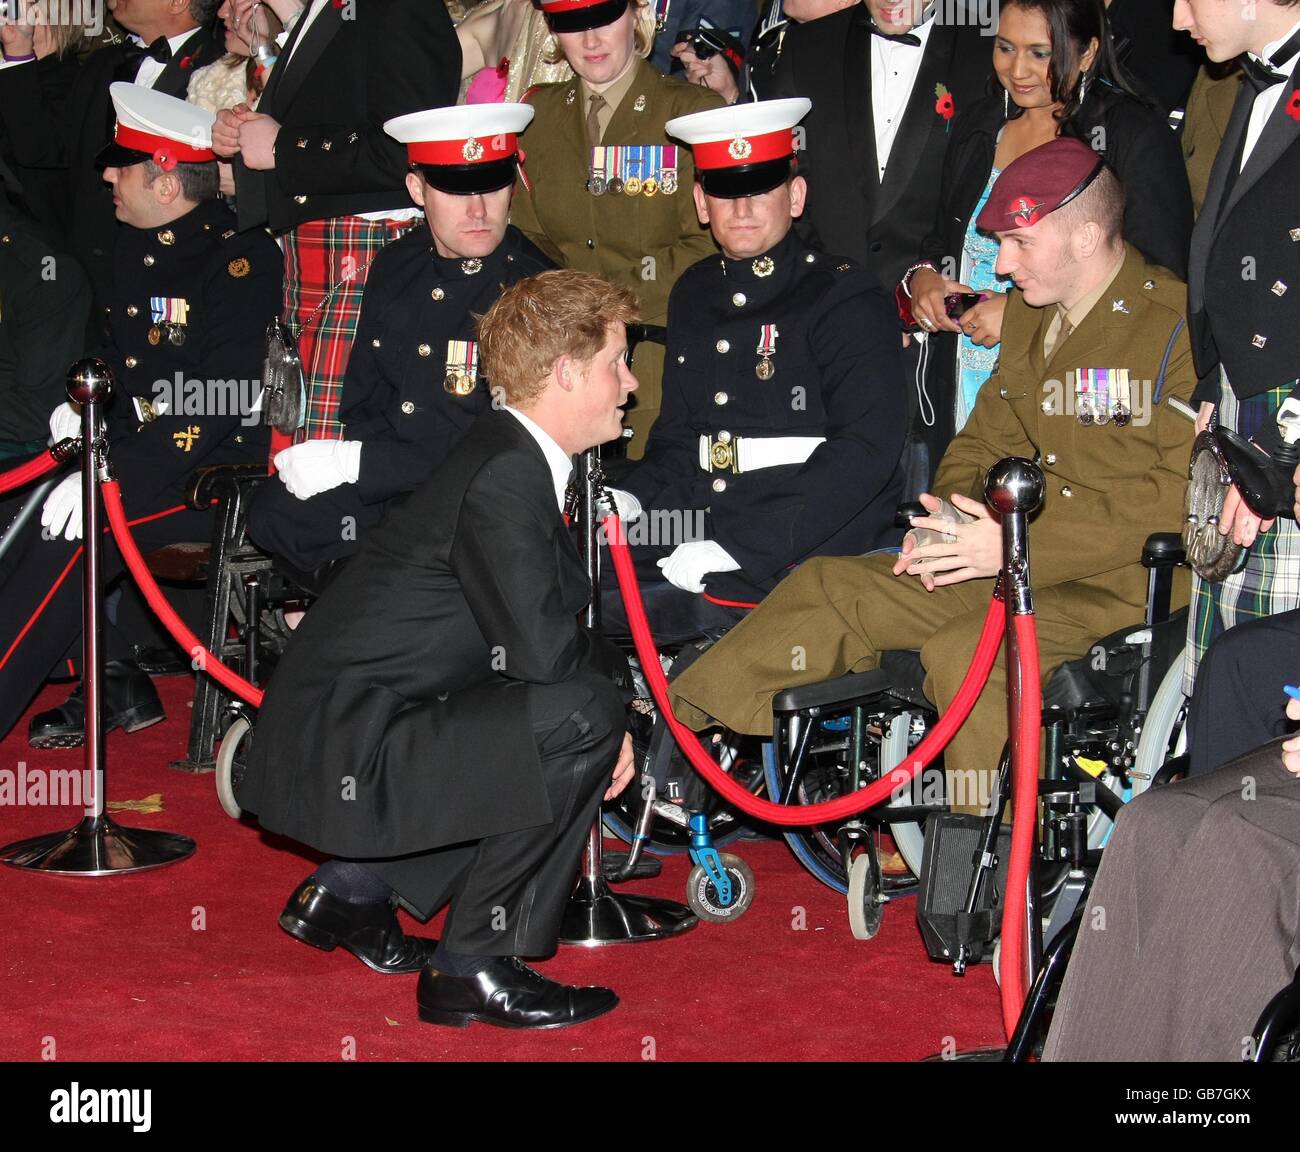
x=951, y=847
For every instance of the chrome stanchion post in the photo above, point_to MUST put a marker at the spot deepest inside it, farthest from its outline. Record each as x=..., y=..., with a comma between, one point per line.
x=1014, y=489
x=97, y=846
x=596, y=915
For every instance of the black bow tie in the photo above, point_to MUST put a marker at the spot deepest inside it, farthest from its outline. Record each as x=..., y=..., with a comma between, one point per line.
x=1262, y=75
x=159, y=50
x=897, y=37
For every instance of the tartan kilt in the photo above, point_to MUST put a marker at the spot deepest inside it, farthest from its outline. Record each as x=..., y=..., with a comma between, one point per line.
x=319, y=254
x=1269, y=582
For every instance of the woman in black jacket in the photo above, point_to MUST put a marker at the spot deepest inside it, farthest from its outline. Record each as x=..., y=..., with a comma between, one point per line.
x=1056, y=73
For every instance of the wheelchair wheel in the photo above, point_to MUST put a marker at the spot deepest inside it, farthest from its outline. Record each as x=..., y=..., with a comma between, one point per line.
x=739, y=756
x=1164, y=734
x=702, y=896
x=824, y=776
x=865, y=906
x=230, y=761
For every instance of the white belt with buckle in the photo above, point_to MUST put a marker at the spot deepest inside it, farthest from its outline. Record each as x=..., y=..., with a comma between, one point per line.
x=749, y=454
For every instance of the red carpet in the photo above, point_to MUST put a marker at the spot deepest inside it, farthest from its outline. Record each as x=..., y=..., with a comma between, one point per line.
x=187, y=962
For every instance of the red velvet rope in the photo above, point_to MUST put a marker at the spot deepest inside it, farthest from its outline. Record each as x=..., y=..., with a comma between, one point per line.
x=739, y=797
x=35, y=468
x=208, y=663
x=1024, y=804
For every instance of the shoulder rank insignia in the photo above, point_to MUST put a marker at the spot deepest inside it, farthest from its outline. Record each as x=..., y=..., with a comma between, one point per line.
x=1118, y=306
x=239, y=267
x=184, y=440
x=228, y=233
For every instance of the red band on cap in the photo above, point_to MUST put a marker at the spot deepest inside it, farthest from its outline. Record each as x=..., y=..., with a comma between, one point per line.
x=744, y=150
x=555, y=7
x=474, y=150
x=148, y=142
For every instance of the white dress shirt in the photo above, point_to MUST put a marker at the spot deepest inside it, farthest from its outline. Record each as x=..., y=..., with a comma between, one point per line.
x=894, y=67
x=556, y=458
x=1267, y=101
x=150, y=69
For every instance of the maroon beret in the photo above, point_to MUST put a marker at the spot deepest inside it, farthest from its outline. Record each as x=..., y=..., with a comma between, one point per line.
x=1038, y=183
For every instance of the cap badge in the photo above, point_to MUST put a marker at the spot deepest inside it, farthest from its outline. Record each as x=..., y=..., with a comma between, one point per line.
x=472, y=150
x=740, y=149
x=1024, y=212
x=764, y=266
x=469, y=267
x=639, y=106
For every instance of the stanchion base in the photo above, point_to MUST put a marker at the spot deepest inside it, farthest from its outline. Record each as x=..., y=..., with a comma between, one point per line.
x=595, y=916
x=970, y=1056
x=97, y=847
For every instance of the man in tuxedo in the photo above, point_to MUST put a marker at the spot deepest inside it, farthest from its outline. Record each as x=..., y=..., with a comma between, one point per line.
x=1244, y=267
x=169, y=40
x=314, y=164
x=440, y=720
x=885, y=78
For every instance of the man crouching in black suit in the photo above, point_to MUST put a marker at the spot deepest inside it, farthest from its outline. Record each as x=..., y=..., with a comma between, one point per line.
x=440, y=721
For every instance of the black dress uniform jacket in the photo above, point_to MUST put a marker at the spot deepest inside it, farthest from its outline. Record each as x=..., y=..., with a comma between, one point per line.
x=397, y=719
x=231, y=284
x=46, y=133
x=357, y=66
x=1138, y=145
x=837, y=376
x=395, y=401
x=1245, y=266
x=851, y=211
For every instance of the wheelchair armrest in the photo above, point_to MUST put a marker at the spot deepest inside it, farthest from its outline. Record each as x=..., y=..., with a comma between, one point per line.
x=905, y=512
x=216, y=481
x=1163, y=550
x=842, y=690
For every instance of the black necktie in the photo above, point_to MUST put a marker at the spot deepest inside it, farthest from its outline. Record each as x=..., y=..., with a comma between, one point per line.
x=1263, y=75
x=897, y=37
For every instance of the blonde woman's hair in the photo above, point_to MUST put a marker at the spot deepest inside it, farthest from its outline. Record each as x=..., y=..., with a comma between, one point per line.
x=643, y=35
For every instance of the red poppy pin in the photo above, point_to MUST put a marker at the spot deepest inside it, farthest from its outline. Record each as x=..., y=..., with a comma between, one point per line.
x=1293, y=105
x=186, y=62
x=503, y=68
x=944, y=104
x=1024, y=212
x=164, y=159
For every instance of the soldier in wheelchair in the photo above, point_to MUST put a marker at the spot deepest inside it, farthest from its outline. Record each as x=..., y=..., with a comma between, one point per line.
x=412, y=387
x=1093, y=352
x=784, y=410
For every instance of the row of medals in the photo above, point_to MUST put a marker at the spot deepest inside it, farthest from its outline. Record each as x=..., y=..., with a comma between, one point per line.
x=633, y=185
x=175, y=334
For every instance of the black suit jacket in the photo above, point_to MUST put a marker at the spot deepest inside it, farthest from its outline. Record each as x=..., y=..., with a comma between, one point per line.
x=345, y=78
x=48, y=133
x=1245, y=259
x=409, y=677
x=850, y=211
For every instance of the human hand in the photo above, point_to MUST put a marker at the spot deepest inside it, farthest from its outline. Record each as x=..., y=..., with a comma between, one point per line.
x=974, y=553
x=928, y=290
x=983, y=322
x=1239, y=521
x=624, y=769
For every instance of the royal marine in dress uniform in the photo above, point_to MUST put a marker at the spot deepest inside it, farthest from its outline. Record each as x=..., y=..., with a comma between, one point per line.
x=1110, y=483
x=184, y=336
x=784, y=406
x=621, y=208
x=413, y=385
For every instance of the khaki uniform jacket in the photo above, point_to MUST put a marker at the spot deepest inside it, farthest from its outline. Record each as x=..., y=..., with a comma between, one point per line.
x=1108, y=487
x=643, y=242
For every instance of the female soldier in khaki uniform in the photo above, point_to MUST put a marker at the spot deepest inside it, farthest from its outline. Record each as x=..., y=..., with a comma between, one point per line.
x=610, y=192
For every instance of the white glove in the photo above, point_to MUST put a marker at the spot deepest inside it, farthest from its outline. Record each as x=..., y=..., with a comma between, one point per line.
x=65, y=422
x=316, y=466
x=61, y=512
x=689, y=563
x=629, y=507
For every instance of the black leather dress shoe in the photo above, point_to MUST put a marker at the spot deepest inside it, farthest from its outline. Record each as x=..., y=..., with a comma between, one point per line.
x=370, y=932
x=509, y=994
x=130, y=703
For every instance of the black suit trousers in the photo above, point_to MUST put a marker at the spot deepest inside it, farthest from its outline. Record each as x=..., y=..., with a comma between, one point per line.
x=508, y=892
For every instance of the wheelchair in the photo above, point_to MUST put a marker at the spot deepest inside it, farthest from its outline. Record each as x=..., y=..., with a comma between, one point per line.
x=1113, y=723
